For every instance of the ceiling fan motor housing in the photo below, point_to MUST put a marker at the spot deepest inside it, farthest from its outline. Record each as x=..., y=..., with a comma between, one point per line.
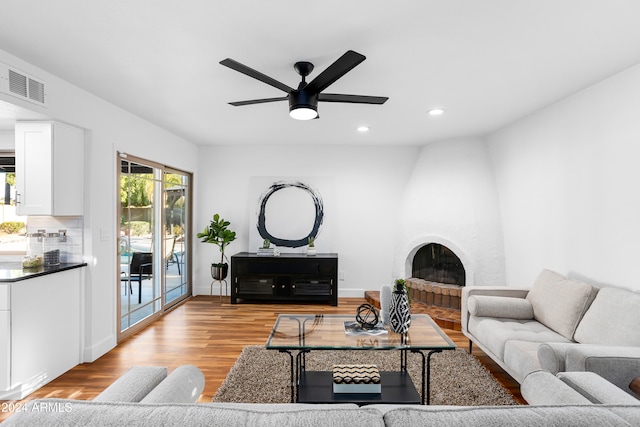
x=303, y=99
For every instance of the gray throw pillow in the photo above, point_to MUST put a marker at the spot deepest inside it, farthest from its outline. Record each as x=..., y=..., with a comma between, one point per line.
x=559, y=303
x=613, y=319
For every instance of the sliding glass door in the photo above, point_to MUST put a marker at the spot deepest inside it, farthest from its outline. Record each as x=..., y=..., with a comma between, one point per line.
x=153, y=249
x=175, y=240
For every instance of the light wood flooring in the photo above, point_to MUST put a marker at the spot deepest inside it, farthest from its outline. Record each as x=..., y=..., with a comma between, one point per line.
x=209, y=334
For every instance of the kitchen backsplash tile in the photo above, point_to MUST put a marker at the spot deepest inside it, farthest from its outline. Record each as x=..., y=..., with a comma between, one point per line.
x=72, y=249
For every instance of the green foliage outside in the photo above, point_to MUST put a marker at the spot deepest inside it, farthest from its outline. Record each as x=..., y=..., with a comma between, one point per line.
x=12, y=227
x=138, y=228
x=136, y=190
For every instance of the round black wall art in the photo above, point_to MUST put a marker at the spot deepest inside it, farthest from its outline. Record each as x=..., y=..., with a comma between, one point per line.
x=319, y=214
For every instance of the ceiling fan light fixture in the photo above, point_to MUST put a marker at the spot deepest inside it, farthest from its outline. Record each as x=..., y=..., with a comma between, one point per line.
x=303, y=112
x=303, y=105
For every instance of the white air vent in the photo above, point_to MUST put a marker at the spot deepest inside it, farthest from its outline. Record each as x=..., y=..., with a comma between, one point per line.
x=22, y=85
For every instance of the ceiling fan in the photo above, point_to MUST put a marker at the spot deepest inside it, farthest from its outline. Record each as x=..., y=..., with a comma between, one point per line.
x=303, y=101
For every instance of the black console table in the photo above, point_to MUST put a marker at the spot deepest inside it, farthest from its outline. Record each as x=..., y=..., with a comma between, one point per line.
x=287, y=277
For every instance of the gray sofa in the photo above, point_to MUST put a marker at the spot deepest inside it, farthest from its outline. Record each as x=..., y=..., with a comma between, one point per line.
x=557, y=325
x=146, y=396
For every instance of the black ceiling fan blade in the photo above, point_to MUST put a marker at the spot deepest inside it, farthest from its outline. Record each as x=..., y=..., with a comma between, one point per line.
x=258, y=101
x=235, y=65
x=354, y=99
x=339, y=68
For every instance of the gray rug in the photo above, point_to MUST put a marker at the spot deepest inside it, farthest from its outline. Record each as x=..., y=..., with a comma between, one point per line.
x=457, y=378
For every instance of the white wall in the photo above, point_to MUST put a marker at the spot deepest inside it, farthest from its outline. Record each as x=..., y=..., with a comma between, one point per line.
x=451, y=200
x=569, y=186
x=368, y=187
x=7, y=140
x=108, y=129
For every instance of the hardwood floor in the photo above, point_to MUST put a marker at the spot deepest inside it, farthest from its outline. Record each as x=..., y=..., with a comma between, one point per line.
x=209, y=334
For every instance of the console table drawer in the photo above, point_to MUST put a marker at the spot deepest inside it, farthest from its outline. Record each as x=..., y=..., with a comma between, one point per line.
x=312, y=287
x=255, y=286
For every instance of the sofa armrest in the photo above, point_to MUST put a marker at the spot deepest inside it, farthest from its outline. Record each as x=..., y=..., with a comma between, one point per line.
x=619, y=365
x=134, y=385
x=597, y=389
x=498, y=291
x=553, y=355
x=544, y=388
x=183, y=385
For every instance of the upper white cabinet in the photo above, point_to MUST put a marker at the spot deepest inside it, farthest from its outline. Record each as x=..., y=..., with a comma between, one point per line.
x=49, y=169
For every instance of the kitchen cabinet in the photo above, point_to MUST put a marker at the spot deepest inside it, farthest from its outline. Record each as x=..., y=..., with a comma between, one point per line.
x=40, y=331
x=49, y=169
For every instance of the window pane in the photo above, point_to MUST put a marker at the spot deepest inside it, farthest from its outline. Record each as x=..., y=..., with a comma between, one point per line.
x=12, y=226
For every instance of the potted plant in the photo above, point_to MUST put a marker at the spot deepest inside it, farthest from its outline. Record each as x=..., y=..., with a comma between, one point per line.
x=311, y=248
x=217, y=232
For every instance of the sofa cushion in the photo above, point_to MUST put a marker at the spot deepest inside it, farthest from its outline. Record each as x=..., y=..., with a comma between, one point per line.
x=61, y=412
x=559, y=303
x=612, y=319
x=508, y=416
x=522, y=358
x=504, y=307
x=494, y=333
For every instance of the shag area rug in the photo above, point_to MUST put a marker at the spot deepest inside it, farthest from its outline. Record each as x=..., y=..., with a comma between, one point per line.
x=457, y=378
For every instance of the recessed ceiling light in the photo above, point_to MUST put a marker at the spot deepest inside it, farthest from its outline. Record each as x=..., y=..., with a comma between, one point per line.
x=435, y=111
x=364, y=128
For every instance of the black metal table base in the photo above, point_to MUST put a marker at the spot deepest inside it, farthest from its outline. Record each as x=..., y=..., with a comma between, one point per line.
x=397, y=387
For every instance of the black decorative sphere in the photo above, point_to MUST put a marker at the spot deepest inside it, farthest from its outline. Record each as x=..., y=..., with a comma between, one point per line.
x=367, y=316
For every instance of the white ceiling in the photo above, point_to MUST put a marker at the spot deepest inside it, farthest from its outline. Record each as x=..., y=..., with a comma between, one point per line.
x=487, y=62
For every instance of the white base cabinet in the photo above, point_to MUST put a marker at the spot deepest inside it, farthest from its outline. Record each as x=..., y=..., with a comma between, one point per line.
x=42, y=339
x=49, y=169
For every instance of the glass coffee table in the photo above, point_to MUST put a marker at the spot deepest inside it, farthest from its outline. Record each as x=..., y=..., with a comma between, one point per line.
x=299, y=334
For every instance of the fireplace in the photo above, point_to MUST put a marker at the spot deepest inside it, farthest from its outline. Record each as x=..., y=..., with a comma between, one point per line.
x=437, y=263
x=437, y=276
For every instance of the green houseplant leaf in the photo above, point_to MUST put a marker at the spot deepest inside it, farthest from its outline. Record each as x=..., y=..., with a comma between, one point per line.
x=218, y=233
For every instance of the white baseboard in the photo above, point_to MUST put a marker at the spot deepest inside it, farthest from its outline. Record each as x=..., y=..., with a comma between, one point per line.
x=351, y=293
x=91, y=354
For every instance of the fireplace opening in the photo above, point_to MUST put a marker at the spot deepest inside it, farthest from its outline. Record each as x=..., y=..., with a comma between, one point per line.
x=437, y=277
x=437, y=263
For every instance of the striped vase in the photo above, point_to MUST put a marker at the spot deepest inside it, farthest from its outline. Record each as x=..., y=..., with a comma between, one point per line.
x=399, y=310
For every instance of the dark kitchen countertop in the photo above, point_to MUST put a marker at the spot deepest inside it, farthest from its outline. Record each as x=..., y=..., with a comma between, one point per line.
x=13, y=272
